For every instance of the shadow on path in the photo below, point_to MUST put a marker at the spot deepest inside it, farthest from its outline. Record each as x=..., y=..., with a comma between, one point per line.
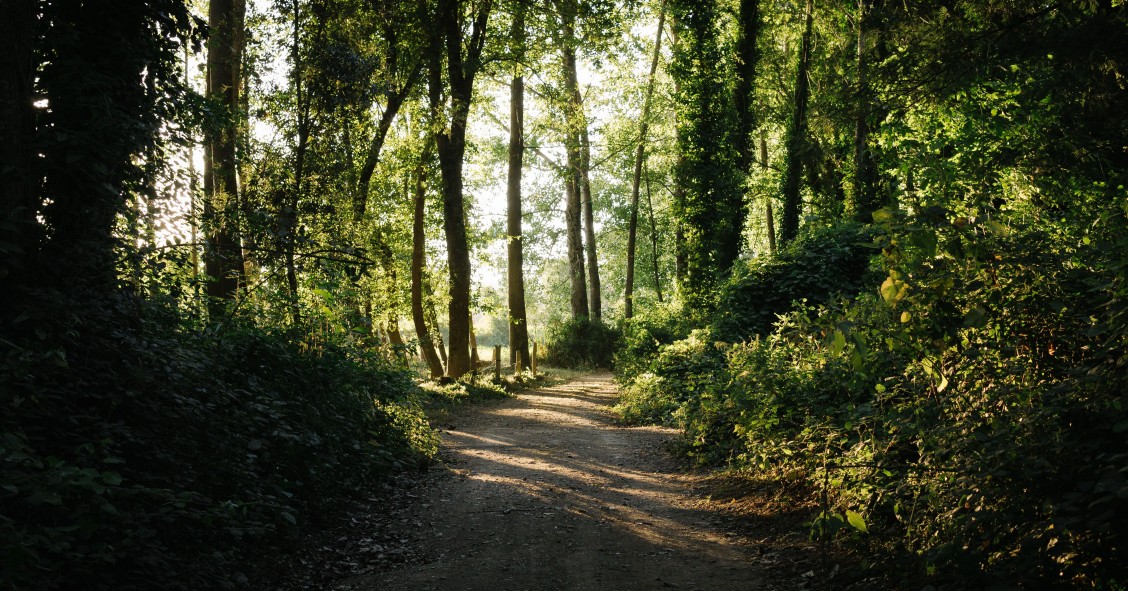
x=545, y=491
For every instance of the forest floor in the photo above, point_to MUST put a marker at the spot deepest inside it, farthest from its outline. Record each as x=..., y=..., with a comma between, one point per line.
x=547, y=491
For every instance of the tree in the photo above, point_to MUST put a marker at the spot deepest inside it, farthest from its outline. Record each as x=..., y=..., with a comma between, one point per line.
x=463, y=62
x=574, y=174
x=640, y=154
x=518, y=321
x=710, y=203
x=797, y=135
x=223, y=255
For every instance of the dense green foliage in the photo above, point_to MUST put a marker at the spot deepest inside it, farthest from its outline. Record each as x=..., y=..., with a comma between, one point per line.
x=138, y=450
x=821, y=263
x=972, y=416
x=579, y=343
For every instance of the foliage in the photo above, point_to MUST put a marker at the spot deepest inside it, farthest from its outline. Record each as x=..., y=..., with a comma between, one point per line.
x=580, y=342
x=138, y=451
x=822, y=262
x=643, y=336
x=965, y=412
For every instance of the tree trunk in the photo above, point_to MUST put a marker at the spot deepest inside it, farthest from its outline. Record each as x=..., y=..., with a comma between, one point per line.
x=451, y=144
x=433, y=318
x=573, y=176
x=418, y=262
x=474, y=359
x=595, y=297
x=640, y=154
x=747, y=61
x=18, y=207
x=290, y=211
x=865, y=195
x=769, y=218
x=518, y=322
x=654, y=241
x=797, y=136
x=223, y=257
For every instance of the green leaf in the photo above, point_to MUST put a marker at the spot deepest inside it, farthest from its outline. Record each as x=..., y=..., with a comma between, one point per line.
x=111, y=478
x=837, y=343
x=855, y=519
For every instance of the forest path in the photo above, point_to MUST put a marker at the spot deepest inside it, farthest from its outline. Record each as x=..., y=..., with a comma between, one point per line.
x=545, y=491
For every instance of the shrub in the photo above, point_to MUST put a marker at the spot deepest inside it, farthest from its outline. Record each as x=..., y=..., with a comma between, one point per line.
x=137, y=452
x=580, y=343
x=818, y=265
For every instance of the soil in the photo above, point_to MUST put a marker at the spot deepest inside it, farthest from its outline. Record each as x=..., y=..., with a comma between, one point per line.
x=546, y=491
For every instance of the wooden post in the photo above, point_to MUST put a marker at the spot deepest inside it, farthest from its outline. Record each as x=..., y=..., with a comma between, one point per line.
x=517, y=365
x=533, y=361
x=497, y=362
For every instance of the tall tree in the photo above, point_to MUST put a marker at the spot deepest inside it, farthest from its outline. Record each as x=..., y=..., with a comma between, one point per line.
x=223, y=256
x=864, y=196
x=573, y=116
x=640, y=154
x=463, y=62
x=797, y=134
x=712, y=197
x=748, y=56
x=595, y=297
x=518, y=322
x=418, y=264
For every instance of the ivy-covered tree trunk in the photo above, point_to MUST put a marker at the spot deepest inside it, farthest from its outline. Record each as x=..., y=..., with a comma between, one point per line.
x=636, y=181
x=223, y=256
x=573, y=175
x=797, y=136
x=744, y=99
x=518, y=322
x=710, y=203
x=866, y=197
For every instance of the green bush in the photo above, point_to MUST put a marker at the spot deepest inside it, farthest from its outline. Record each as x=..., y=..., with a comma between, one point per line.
x=644, y=335
x=580, y=343
x=818, y=265
x=966, y=417
x=137, y=452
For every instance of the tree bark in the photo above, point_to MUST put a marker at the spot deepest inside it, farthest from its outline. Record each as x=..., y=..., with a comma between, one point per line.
x=654, y=242
x=290, y=210
x=769, y=218
x=418, y=262
x=451, y=143
x=518, y=322
x=748, y=58
x=223, y=257
x=595, y=296
x=864, y=199
x=433, y=318
x=797, y=136
x=640, y=154
x=573, y=177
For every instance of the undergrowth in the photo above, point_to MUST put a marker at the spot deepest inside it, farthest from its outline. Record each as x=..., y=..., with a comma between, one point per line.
x=961, y=416
x=140, y=451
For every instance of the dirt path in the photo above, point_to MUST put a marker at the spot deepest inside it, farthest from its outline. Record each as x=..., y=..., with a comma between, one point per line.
x=546, y=492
